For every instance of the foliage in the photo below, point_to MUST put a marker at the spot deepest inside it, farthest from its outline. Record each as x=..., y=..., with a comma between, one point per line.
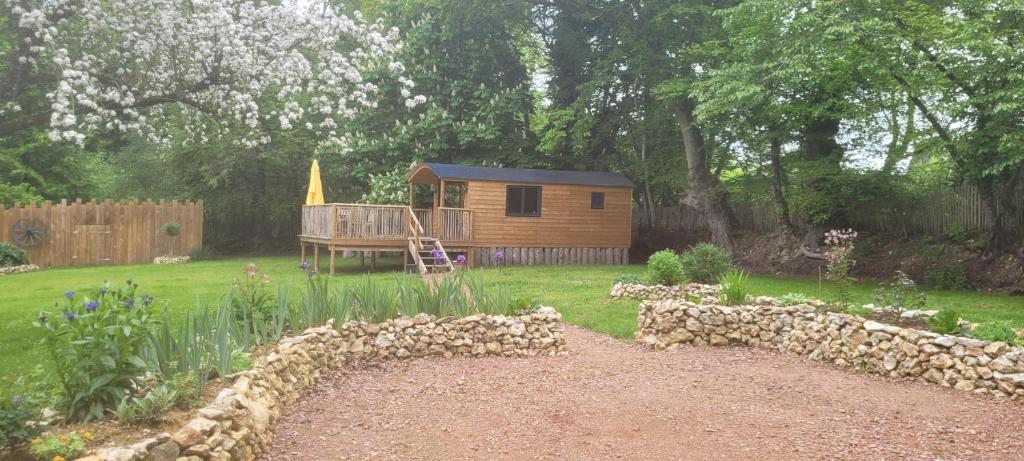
x=59, y=446
x=15, y=412
x=389, y=188
x=252, y=301
x=859, y=311
x=947, y=321
x=148, y=409
x=12, y=255
x=947, y=274
x=901, y=294
x=995, y=331
x=320, y=302
x=630, y=279
x=735, y=288
x=664, y=268
x=171, y=229
x=792, y=299
x=706, y=262
x=202, y=253
x=97, y=346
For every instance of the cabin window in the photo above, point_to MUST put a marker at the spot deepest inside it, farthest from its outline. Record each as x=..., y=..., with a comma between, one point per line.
x=522, y=201
x=597, y=200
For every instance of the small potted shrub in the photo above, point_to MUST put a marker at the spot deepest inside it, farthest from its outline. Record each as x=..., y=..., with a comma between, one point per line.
x=171, y=230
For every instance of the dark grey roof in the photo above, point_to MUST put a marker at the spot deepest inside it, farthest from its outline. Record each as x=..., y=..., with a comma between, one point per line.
x=481, y=173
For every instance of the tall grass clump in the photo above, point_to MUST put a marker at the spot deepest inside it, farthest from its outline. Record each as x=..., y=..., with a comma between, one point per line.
x=735, y=288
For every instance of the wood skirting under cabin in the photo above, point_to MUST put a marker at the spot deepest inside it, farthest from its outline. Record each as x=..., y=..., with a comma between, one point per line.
x=520, y=256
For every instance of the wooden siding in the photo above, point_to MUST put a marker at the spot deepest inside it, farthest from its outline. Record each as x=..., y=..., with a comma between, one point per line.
x=566, y=218
x=99, y=233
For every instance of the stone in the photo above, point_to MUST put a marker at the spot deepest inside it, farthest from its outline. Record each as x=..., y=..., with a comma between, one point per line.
x=201, y=451
x=996, y=349
x=194, y=432
x=1002, y=365
x=942, y=361
x=909, y=348
x=871, y=326
x=120, y=454
x=167, y=451
x=933, y=375
x=944, y=341
x=492, y=347
x=719, y=340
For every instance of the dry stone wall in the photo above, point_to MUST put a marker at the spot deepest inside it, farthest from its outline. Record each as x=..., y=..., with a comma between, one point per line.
x=239, y=423
x=650, y=292
x=965, y=364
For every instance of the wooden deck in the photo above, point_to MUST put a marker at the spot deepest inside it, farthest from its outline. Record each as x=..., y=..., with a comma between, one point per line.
x=359, y=227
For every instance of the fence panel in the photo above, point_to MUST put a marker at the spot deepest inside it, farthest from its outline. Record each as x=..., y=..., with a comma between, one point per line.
x=91, y=233
x=957, y=208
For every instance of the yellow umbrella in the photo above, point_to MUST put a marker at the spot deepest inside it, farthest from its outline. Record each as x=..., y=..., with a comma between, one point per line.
x=315, y=196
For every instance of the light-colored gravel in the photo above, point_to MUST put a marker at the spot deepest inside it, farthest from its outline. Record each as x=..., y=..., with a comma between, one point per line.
x=613, y=400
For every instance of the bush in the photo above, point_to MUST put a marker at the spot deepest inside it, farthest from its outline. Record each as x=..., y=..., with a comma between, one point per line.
x=96, y=348
x=665, y=268
x=734, y=288
x=859, y=311
x=11, y=255
x=64, y=446
x=171, y=229
x=705, y=262
x=901, y=294
x=15, y=412
x=629, y=279
x=792, y=299
x=947, y=275
x=995, y=331
x=947, y=321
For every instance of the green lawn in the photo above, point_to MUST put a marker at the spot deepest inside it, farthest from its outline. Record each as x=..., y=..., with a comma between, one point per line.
x=579, y=292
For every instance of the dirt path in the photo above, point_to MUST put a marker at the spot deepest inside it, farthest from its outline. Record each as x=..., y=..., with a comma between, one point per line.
x=612, y=400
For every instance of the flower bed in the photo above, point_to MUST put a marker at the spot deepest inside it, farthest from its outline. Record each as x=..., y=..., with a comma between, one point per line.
x=171, y=259
x=239, y=423
x=966, y=364
x=18, y=269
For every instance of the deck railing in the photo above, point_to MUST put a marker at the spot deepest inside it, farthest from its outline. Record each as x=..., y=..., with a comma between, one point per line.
x=385, y=222
x=455, y=224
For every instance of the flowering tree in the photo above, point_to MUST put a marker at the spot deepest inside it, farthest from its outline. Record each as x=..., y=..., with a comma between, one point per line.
x=221, y=67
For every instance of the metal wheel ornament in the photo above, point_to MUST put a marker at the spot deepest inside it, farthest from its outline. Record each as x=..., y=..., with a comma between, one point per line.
x=29, y=232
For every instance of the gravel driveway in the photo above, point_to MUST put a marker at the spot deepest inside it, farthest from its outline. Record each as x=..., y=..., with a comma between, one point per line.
x=613, y=400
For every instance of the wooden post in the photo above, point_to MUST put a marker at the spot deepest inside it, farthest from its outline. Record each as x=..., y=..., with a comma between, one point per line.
x=302, y=255
x=316, y=257
x=373, y=260
x=332, y=261
x=362, y=259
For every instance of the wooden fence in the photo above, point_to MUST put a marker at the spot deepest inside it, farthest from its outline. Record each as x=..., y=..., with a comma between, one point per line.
x=957, y=208
x=98, y=233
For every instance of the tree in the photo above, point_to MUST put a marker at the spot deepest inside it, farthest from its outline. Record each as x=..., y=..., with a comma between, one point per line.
x=208, y=68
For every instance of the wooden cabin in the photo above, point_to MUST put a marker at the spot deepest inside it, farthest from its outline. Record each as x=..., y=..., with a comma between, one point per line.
x=490, y=216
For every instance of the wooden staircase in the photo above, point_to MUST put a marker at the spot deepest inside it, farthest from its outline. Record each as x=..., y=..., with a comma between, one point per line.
x=428, y=255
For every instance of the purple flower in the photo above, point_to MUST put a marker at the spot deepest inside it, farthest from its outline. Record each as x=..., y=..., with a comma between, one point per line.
x=440, y=257
x=461, y=259
x=69, y=294
x=69, y=315
x=499, y=256
x=304, y=265
x=104, y=289
x=128, y=303
x=147, y=300
x=311, y=273
x=92, y=306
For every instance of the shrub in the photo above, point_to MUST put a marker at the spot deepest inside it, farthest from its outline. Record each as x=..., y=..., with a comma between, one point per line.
x=252, y=300
x=96, y=348
x=11, y=255
x=705, y=262
x=63, y=446
x=148, y=409
x=901, y=294
x=171, y=229
x=15, y=412
x=995, y=331
x=949, y=274
x=947, y=321
x=735, y=288
x=665, y=268
x=629, y=279
x=792, y=299
x=202, y=253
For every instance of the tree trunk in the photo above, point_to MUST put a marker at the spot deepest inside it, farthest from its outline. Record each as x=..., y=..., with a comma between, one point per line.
x=778, y=179
x=999, y=205
x=703, y=191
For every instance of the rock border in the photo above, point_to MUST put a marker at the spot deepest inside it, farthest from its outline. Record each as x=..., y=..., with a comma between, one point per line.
x=239, y=423
x=18, y=269
x=965, y=364
x=171, y=259
x=655, y=292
